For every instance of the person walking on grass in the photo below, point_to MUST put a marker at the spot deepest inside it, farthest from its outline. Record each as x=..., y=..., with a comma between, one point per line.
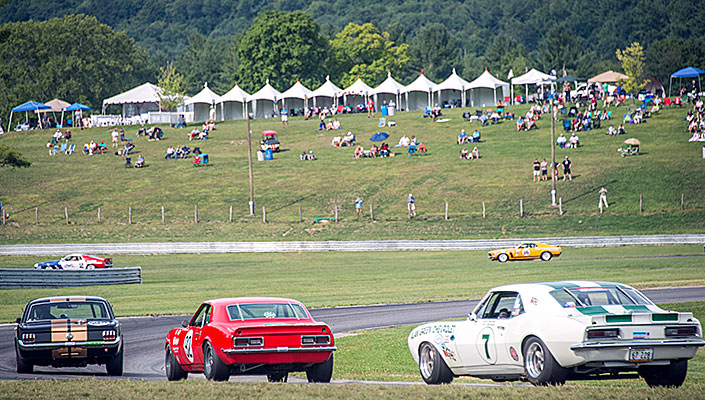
x=566, y=169
x=603, y=199
x=358, y=206
x=537, y=170
x=410, y=205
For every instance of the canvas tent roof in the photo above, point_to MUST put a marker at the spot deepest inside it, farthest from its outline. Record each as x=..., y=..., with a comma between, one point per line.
x=266, y=93
x=390, y=85
x=420, y=84
x=145, y=93
x=653, y=86
x=533, y=77
x=487, y=80
x=206, y=96
x=327, y=89
x=607, y=77
x=453, y=82
x=296, y=91
x=31, y=106
x=358, y=87
x=77, y=106
x=688, y=72
x=569, y=78
x=235, y=94
x=56, y=106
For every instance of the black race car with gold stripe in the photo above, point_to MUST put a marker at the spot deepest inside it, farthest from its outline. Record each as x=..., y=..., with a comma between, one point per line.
x=71, y=331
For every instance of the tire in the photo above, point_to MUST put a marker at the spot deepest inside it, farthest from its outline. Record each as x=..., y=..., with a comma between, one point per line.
x=114, y=367
x=278, y=377
x=540, y=367
x=502, y=258
x=173, y=370
x=433, y=369
x=23, y=366
x=545, y=256
x=665, y=375
x=322, y=372
x=213, y=368
x=90, y=266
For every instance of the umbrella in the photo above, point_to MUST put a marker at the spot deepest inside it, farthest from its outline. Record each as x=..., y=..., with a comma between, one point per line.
x=77, y=106
x=269, y=133
x=633, y=141
x=569, y=78
x=379, y=136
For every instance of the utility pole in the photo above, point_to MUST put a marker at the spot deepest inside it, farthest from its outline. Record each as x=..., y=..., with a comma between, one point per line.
x=249, y=161
x=554, y=113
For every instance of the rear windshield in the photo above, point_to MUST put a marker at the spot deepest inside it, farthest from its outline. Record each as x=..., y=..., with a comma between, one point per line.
x=599, y=296
x=266, y=311
x=68, y=309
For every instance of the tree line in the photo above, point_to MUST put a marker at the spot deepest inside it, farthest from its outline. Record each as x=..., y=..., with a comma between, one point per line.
x=123, y=43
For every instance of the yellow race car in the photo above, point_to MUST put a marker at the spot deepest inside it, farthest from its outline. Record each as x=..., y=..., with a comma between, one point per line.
x=526, y=251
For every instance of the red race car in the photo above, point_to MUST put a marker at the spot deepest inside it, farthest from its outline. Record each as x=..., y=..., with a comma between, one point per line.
x=250, y=336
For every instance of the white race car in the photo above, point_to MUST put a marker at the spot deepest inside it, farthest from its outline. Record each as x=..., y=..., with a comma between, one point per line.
x=549, y=332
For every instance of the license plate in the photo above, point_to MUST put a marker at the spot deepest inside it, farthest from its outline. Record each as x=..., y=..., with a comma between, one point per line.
x=641, y=354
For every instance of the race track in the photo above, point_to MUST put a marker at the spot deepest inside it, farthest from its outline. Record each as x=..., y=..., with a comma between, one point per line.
x=144, y=336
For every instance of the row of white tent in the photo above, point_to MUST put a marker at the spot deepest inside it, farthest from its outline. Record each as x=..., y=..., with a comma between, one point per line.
x=484, y=91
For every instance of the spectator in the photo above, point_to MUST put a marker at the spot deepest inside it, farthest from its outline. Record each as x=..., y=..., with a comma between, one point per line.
x=462, y=137
x=537, y=170
x=348, y=140
x=310, y=156
x=520, y=124
x=170, y=153
x=603, y=199
x=303, y=156
x=561, y=141
x=475, y=153
x=370, y=108
x=285, y=117
x=410, y=205
x=359, y=152
x=611, y=131
x=212, y=114
x=464, y=154
x=404, y=141
x=476, y=136
x=620, y=130
x=358, y=206
x=573, y=142
x=336, y=124
x=566, y=169
x=544, y=170
x=67, y=135
x=384, y=150
x=180, y=123
x=140, y=162
x=483, y=119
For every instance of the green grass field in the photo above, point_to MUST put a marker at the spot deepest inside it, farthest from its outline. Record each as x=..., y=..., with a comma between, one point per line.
x=176, y=284
x=668, y=167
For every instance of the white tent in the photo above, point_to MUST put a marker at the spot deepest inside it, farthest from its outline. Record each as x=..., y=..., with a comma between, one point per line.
x=356, y=93
x=533, y=77
x=388, y=91
x=446, y=89
x=326, y=95
x=138, y=100
x=202, y=103
x=56, y=105
x=486, y=89
x=230, y=100
x=264, y=101
x=419, y=93
x=296, y=96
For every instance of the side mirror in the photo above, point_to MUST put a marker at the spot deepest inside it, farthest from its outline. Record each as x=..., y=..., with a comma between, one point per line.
x=184, y=323
x=472, y=316
x=18, y=320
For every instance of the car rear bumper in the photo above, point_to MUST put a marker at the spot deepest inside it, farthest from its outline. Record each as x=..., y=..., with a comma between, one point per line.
x=618, y=352
x=56, y=345
x=316, y=349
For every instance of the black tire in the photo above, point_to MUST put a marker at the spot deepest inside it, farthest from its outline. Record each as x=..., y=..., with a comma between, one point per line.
x=545, y=256
x=665, y=375
x=23, y=366
x=90, y=267
x=114, y=367
x=322, y=372
x=433, y=369
x=503, y=258
x=540, y=367
x=213, y=367
x=173, y=370
x=278, y=377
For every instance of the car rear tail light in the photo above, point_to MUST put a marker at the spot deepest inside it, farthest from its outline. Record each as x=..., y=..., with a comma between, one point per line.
x=248, y=341
x=680, y=331
x=28, y=337
x=308, y=340
x=109, y=334
x=603, y=333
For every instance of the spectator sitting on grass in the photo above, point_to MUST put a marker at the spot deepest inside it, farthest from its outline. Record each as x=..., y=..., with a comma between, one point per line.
x=384, y=150
x=520, y=124
x=475, y=136
x=483, y=119
x=359, y=151
x=561, y=141
x=170, y=153
x=611, y=131
x=464, y=153
x=348, y=139
x=404, y=141
x=573, y=142
x=620, y=130
x=462, y=137
x=303, y=156
x=475, y=153
x=140, y=162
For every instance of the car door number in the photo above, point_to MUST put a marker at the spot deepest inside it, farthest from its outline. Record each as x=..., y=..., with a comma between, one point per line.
x=188, y=346
x=641, y=354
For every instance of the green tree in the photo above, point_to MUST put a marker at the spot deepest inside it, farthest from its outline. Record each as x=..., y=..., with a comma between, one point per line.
x=282, y=47
x=435, y=51
x=365, y=51
x=208, y=60
x=632, y=59
x=74, y=58
x=10, y=157
x=171, y=83
x=505, y=54
x=559, y=48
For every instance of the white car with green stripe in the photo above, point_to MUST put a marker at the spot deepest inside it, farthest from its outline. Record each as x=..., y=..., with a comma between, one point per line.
x=550, y=332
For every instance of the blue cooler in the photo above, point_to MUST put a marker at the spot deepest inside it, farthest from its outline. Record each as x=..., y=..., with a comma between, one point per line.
x=269, y=154
x=385, y=111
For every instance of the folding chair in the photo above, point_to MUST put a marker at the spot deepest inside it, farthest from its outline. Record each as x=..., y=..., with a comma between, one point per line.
x=567, y=125
x=62, y=149
x=71, y=149
x=128, y=162
x=382, y=123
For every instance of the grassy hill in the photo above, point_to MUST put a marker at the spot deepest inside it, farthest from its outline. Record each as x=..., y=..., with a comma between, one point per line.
x=668, y=167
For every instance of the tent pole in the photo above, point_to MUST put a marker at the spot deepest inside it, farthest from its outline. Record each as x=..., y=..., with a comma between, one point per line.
x=39, y=118
x=9, y=125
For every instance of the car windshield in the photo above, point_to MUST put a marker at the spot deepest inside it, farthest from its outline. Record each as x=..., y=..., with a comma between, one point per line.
x=68, y=309
x=266, y=311
x=599, y=296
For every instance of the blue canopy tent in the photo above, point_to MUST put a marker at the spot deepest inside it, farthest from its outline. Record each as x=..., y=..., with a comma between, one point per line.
x=28, y=106
x=687, y=72
x=76, y=107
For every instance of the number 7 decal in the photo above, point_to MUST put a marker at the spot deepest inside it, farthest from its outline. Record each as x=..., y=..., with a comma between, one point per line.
x=486, y=338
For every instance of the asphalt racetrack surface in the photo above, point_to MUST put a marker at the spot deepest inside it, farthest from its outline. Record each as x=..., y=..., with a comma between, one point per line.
x=144, y=336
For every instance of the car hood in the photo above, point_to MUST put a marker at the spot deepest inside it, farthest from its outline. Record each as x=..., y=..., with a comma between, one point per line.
x=45, y=263
x=502, y=250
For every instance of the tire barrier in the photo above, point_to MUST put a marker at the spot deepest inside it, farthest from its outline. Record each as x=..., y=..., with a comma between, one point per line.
x=362, y=245
x=16, y=278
